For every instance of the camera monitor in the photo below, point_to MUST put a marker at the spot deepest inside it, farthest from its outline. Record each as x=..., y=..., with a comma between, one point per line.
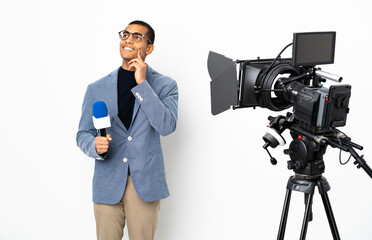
x=313, y=48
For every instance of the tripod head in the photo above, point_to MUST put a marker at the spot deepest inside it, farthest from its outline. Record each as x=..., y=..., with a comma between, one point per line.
x=307, y=148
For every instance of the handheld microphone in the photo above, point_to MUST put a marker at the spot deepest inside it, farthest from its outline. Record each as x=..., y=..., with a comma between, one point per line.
x=101, y=120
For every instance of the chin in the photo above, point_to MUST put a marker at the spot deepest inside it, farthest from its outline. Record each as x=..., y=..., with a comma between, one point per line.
x=127, y=57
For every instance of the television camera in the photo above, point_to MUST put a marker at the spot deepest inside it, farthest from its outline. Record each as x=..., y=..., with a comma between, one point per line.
x=281, y=83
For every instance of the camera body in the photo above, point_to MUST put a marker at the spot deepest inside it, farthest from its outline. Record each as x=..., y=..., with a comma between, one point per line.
x=320, y=109
x=278, y=84
x=316, y=108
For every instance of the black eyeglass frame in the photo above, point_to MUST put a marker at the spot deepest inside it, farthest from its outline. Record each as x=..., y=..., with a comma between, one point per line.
x=130, y=33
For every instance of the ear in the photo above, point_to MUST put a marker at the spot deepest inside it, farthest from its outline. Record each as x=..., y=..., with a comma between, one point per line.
x=149, y=49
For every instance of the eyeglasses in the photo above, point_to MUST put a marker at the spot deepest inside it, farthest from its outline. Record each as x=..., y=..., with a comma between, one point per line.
x=136, y=36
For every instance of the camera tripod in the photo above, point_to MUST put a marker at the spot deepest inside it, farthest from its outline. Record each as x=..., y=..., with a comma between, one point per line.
x=307, y=184
x=306, y=152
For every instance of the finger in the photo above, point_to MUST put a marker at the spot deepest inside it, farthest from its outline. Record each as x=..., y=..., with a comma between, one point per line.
x=100, y=138
x=103, y=147
x=139, y=54
x=131, y=62
x=103, y=141
x=101, y=151
x=109, y=137
x=135, y=65
x=140, y=61
x=132, y=67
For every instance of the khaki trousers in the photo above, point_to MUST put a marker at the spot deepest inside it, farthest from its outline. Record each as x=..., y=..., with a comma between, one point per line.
x=141, y=217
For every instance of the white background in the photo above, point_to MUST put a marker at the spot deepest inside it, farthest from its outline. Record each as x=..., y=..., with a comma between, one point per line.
x=221, y=181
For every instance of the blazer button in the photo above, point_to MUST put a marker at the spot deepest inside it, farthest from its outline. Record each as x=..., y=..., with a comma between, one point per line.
x=129, y=138
x=125, y=160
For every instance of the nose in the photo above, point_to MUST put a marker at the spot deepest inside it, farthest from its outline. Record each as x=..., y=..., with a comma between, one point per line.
x=129, y=39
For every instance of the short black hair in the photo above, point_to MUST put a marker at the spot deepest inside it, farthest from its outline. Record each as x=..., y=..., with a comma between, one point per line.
x=150, y=31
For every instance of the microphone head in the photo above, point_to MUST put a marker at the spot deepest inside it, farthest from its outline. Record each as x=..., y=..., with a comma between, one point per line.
x=100, y=117
x=99, y=109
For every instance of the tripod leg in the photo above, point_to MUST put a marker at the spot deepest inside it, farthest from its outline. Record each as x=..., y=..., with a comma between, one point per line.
x=331, y=218
x=305, y=222
x=283, y=220
x=311, y=208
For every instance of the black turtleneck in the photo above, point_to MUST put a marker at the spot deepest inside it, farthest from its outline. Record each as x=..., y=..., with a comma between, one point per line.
x=126, y=82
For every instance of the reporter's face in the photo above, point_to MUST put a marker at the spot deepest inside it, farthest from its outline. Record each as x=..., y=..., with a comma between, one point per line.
x=129, y=47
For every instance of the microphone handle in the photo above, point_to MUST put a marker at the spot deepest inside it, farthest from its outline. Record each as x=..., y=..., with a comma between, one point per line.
x=103, y=132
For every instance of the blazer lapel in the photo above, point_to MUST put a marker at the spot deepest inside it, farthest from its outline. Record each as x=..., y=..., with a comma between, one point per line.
x=112, y=86
x=135, y=110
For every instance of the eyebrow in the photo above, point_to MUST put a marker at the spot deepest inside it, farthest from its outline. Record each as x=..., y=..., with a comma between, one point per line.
x=134, y=32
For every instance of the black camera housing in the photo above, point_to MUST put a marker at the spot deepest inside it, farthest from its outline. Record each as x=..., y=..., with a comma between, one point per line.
x=278, y=84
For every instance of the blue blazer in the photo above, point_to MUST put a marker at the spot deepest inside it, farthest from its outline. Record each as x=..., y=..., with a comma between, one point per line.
x=137, y=148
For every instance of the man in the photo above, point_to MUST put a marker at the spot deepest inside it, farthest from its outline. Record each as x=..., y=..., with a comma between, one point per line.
x=129, y=175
